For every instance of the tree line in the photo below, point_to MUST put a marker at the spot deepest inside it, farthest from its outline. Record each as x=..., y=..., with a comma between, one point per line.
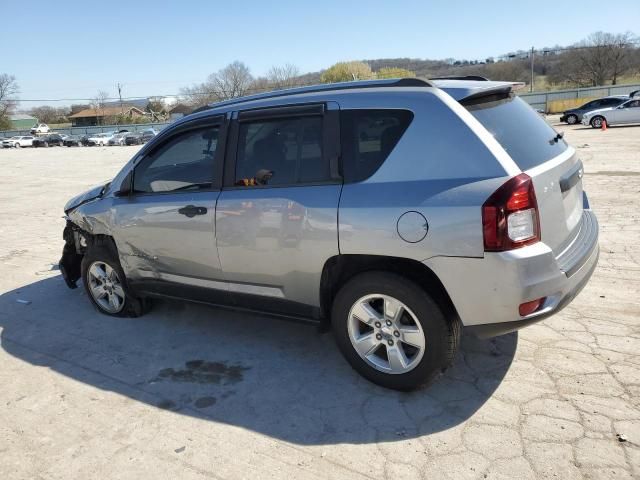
x=601, y=58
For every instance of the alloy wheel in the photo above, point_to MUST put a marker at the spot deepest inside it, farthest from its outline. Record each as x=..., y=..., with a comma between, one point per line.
x=386, y=334
x=105, y=287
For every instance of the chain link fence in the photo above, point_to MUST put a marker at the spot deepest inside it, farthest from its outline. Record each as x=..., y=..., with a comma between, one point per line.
x=560, y=100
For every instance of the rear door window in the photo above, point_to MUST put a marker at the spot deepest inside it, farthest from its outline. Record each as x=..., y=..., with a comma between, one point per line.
x=367, y=138
x=522, y=132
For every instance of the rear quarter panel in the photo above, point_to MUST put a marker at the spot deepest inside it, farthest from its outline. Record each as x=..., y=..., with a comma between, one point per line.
x=440, y=168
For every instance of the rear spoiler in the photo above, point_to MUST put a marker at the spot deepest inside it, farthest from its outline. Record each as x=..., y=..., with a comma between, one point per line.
x=489, y=94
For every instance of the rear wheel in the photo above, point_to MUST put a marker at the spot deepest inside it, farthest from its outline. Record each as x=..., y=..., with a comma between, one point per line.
x=596, y=122
x=572, y=119
x=106, y=284
x=392, y=332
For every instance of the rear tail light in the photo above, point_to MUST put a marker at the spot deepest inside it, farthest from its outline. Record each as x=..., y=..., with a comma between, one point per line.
x=510, y=216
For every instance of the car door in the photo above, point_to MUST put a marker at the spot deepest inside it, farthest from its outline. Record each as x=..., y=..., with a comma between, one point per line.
x=629, y=112
x=165, y=228
x=277, y=215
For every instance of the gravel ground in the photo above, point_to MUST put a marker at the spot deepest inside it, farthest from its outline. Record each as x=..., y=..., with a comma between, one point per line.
x=191, y=391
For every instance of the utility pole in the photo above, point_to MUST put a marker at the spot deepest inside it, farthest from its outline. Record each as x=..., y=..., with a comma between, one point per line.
x=531, y=57
x=120, y=96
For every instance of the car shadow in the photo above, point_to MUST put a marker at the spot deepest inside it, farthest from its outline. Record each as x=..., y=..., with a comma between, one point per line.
x=615, y=127
x=278, y=378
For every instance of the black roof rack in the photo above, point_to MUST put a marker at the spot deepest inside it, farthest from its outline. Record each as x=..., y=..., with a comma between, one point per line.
x=461, y=77
x=393, y=82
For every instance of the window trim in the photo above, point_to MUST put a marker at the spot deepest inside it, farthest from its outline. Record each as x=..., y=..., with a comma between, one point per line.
x=162, y=139
x=329, y=111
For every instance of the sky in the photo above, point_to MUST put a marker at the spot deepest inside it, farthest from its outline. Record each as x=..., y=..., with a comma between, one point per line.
x=73, y=49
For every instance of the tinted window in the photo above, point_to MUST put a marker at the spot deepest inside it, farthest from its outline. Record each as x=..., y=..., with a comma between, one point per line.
x=526, y=136
x=186, y=162
x=281, y=152
x=368, y=137
x=593, y=104
x=611, y=102
x=632, y=104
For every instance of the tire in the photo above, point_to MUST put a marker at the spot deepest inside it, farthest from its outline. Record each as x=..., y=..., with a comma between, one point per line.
x=423, y=322
x=572, y=119
x=46, y=144
x=101, y=261
x=596, y=122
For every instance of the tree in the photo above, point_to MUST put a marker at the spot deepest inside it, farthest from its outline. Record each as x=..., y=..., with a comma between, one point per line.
x=285, y=76
x=8, y=91
x=395, y=72
x=600, y=58
x=98, y=104
x=157, y=109
x=232, y=81
x=347, y=71
x=47, y=114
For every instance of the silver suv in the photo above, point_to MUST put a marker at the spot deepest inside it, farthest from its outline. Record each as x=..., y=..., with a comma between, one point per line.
x=393, y=211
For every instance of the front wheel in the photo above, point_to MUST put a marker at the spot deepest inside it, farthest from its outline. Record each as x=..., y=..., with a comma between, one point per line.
x=596, y=122
x=392, y=332
x=572, y=119
x=106, y=284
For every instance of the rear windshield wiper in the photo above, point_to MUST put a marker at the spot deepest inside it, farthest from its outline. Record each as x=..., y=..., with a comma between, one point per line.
x=557, y=138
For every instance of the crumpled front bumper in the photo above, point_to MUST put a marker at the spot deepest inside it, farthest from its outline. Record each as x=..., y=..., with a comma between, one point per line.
x=71, y=260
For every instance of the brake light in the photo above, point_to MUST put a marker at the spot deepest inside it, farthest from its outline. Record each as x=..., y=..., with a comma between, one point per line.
x=510, y=216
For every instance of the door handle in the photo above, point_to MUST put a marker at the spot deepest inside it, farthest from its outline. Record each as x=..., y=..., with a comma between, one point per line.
x=191, y=211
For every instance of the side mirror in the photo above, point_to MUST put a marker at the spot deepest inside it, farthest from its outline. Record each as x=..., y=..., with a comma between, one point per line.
x=125, y=187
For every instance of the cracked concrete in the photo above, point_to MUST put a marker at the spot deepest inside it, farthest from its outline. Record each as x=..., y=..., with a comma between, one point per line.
x=87, y=396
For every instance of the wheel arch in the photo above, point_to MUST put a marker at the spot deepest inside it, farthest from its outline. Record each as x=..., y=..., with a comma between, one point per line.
x=339, y=269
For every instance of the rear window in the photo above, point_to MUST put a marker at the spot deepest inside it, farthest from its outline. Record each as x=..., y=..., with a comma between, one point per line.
x=368, y=137
x=521, y=131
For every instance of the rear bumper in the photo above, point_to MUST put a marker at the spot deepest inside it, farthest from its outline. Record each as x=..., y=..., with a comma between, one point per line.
x=488, y=291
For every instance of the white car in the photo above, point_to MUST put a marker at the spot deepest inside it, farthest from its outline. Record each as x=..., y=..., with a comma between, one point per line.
x=627, y=112
x=18, y=141
x=99, y=139
x=40, y=128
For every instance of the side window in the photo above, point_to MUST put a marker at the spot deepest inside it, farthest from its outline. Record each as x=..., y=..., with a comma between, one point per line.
x=185, y=162
x=368, y=137
x=634, y=104
x=281, y=152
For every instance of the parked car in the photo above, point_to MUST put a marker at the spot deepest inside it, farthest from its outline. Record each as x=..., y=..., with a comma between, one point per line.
x=18, y=141
x=148, y=135
x=40, y=128
x=627, y=112
x=99, y=139
x=51, y=140
x=575, y=115
x=466, y=209
x=73, y=141
x=117, y=139
x=133, y=139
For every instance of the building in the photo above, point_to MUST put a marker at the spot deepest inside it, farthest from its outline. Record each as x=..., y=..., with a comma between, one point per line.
x=21, y=121
x=106, y=115
x=178, y=111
